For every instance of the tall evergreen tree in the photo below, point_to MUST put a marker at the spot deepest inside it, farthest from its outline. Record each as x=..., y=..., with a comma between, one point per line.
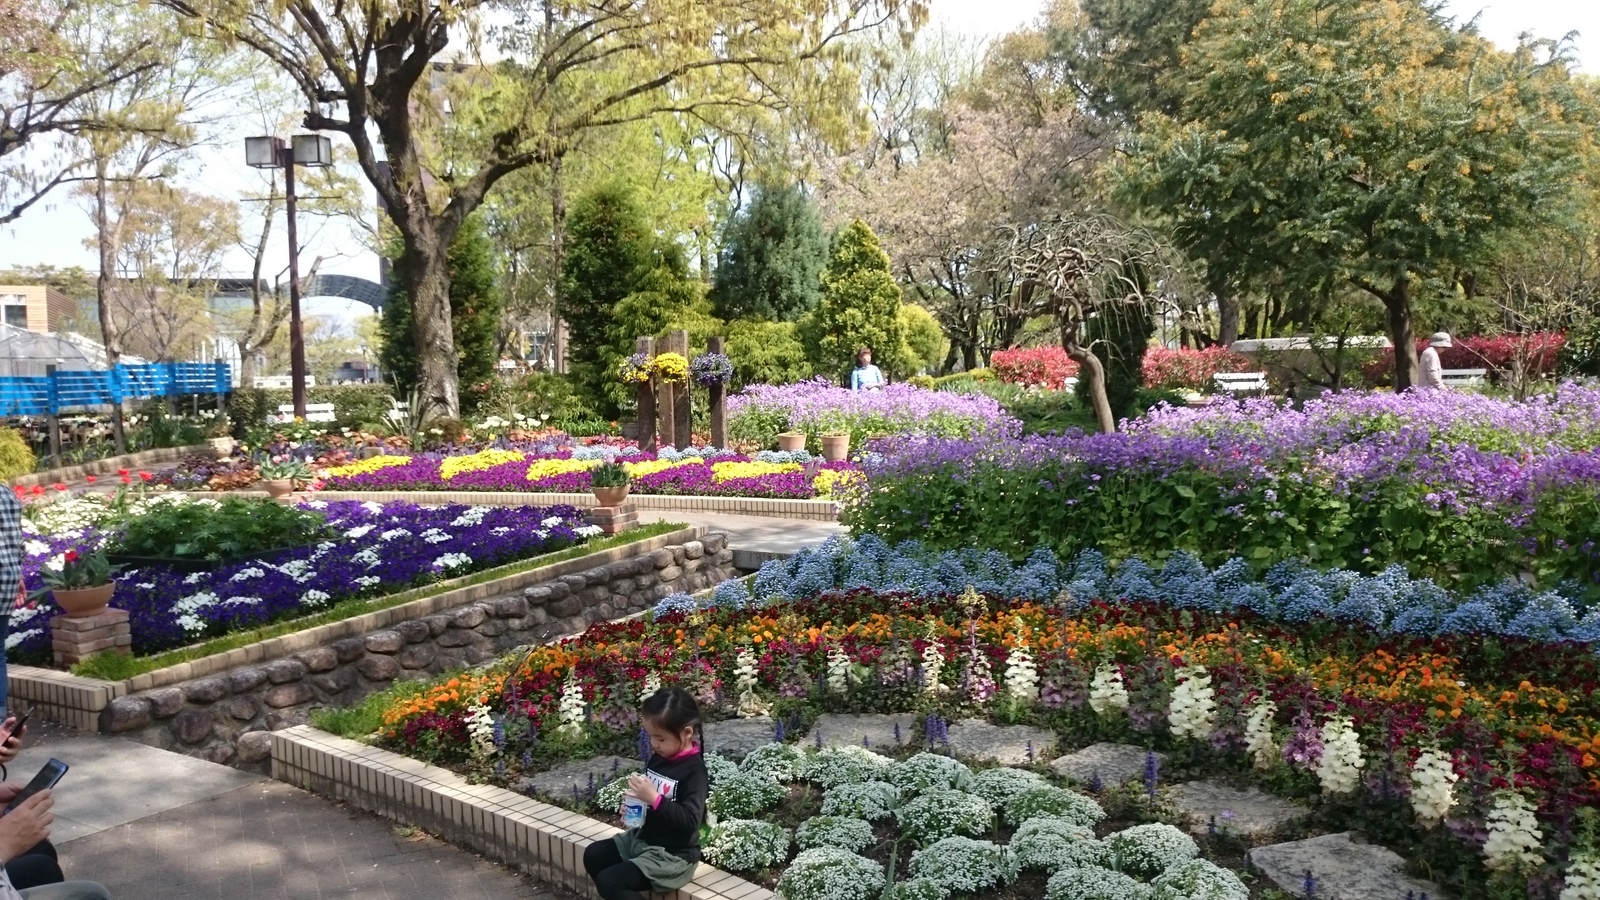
x=860, y=308
x=772, y=258
x=474, y=314
x=608, y=250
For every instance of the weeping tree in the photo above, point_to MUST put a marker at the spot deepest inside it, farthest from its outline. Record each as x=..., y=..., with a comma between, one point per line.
x=1084, y=268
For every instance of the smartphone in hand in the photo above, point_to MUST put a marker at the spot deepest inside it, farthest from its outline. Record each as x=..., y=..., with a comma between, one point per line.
x=44, y=781
x=7, y=733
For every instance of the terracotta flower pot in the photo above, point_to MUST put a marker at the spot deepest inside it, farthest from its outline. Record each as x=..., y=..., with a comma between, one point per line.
x=84, y=602
x=835, y=447
x=610, y=496
x=278, y=488
x=790, y=441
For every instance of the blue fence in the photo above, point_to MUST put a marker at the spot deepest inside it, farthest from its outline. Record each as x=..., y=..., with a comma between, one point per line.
x=48, y=395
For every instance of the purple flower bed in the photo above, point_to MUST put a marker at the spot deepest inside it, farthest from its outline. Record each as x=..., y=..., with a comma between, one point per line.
x=385, y=548
x=760, y=411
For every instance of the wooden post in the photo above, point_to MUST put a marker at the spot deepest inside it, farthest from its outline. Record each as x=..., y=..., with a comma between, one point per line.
x=666, y=423
x=719, y=402
x=683, y=420
x=647, y=400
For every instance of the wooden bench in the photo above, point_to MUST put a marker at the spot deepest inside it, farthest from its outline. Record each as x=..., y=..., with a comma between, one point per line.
x=1464, y=377
x=315, y=412
x=1236, y=383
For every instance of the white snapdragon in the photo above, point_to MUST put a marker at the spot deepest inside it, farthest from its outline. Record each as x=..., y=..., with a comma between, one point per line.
x=932, y=668
x=838, y=671
x=1433, y=781
x=1514, y=834
x=652, y=683
x=1259, y=742
x=1107, y=691
x=1022, y=675
x=480, y=728
x=572, y=707
x=1194, y=704
x=1583, y=878
x=744, y=670
x=1339, y=770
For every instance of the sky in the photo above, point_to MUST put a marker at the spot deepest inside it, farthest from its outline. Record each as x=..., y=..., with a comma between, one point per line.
x=54, y=232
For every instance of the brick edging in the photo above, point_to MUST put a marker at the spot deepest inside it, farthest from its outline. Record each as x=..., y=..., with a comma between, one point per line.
x=510, y=828
x=142, y=459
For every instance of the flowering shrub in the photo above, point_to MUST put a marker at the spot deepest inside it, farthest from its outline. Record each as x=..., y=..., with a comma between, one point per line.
x=636, y=369
x=1191, y=370
x=671, y=368
x=1146, y=851
x=1094, y=883
x=939, y=814
x=1540, y=353
x=759, y=412
x=719, y=768
x=965, y=866
x=711, y=368
x=1047, y=843
x=1199, y=879
x=870, y=800
x=929, y=771
x=1046, y=367
x=778, y=762
x=999, y=785
x=920, y=889
x=742, y=795
x=828, y=873
x=744, y=845
x=834, y=831
x=1058, y=803
x=833, y=766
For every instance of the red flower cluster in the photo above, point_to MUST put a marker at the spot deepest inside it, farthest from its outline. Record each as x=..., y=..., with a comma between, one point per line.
x=1539, y=353
x=1046, y=367
x=1190, y=369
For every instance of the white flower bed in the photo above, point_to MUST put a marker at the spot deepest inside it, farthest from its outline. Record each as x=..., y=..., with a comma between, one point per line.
x=780, y=762
x=999, y=785
x=939, y=814
x=870, y=800
x=719, y=769
x=828, y=873
x=834, y=831
x=916, y=889
x=1094, y=883
x=1199, y=879
x=1053, y=801
x=743, y=795
x=965, y=866
x=1149, y=850
x=929, y=771
x=744, y=845
x=834, y=766
x=1051, y=844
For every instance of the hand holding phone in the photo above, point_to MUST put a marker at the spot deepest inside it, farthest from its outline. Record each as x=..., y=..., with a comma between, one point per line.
x=44, y=781
x=11, y=733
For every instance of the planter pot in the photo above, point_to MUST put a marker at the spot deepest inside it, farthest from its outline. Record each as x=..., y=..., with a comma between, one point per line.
x=222, y=447
x=84, y=602
x=790, y=441
x=610, y=496
x=630, y=431
x=835, y=447
x=278, y=488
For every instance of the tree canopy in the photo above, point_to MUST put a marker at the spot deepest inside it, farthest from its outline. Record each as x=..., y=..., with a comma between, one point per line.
x=770, y=266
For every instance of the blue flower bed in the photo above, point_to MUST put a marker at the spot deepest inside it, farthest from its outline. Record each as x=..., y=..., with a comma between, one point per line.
x=1390, y=602
x=385, y=548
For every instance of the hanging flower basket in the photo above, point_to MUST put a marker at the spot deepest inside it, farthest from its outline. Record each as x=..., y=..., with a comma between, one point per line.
x=709, y=369
x=636, y=369
x=672, y=368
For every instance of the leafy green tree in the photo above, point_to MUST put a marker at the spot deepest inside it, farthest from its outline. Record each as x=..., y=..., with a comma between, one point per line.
x=860, y=308
x=772, y=258
x=474, y=315
x=767, y=353
x=664, y=300
x=924, y=339
x=609, y=248
x=1118, y=336
x=1358, y=143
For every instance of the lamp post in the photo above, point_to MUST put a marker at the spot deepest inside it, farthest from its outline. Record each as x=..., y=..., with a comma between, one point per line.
x=271, y=153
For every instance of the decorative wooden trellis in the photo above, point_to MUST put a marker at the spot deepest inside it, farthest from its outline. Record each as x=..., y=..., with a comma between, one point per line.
x=664, y=409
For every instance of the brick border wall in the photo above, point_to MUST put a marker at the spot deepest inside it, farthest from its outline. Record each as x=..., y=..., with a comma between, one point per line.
x=545, y=841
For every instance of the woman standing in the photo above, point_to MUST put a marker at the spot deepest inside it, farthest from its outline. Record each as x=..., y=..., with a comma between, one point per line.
x=866, y=376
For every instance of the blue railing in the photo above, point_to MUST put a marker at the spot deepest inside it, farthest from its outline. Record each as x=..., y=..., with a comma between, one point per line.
x=48, y=395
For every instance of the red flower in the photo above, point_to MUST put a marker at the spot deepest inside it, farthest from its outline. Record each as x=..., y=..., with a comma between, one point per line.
x=123, y=472
x=145, y=476
x=72, y=556
x=59, y=486
x=126, y=479
x=20, y=491
x=38, y=489
x=89, y=478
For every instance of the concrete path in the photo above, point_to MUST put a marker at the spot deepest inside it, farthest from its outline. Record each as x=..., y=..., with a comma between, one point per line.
x=152, y=825
x=754, y=539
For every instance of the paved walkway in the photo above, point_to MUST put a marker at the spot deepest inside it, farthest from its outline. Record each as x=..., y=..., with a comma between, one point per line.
x=754, y=539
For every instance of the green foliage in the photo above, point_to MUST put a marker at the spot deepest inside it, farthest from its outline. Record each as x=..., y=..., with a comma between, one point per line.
x=237, y=527
x=664, y=300
x=860, y=308
x=772, y=257
x=1580, y=355
x=924, y=339
x=608, y=250
x=1119, y=338
x=16, y=457
x=474, y=314
x=766, y=353
x=354, y=405
x=538, y=394
x=366, y=717
x=609, y=474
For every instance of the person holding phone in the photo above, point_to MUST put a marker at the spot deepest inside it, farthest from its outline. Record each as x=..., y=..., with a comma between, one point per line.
x=27, y=826
x=37, y=865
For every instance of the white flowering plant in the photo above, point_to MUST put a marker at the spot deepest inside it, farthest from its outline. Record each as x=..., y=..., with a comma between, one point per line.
x=1050, y=844
x=1260, y=744
x=779, y=762
x=916, y=889
x=1107, y=692
x=719, y=769
x=1582, y=881
x=833, y=766
x=744, y=795
x=745, y=845
x=1053, y=801
x=1433, y=779
x=964, y=865
x=1146, y=851
x=1001, y=784
x=929, y=771
x=1339, y=770
x=870, y=800
x=1514, y=835
x=1199, y=879
x=828, y=873
x=608, y=797
x=1193, y=709
x=1094, y=883
x=938, y=814
x=843, y=832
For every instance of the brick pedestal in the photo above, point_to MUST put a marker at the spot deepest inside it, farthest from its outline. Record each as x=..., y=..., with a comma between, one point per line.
x=76, y=639
x=613, y=519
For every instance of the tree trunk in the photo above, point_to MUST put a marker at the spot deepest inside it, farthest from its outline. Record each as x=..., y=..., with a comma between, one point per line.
x=1402, y=334
x=558, y=254
x=427, y=274
x=1227, y=318
x=1089, y=368
x=108, y=240
x=969, y=356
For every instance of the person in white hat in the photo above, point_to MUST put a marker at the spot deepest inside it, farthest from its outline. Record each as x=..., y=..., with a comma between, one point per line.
x=1432, y=372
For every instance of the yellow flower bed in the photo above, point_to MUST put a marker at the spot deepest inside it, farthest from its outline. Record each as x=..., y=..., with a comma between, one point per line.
x=366, y=466
x=651, y=466
x=723, y=471
x=829, y=481
x=476, y=462
x=545, y=468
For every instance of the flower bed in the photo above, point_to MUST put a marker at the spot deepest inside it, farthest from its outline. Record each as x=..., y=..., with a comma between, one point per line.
x=383, y=548
x=1462, y=488
x=758, y=413
x=1422, y=741
x=695, y=471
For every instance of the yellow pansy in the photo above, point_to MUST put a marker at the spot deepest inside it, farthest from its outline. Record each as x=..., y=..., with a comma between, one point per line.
x=548, y=468
x=367, y=466
x=723, y=471
x=477, y=462
x=829, y=481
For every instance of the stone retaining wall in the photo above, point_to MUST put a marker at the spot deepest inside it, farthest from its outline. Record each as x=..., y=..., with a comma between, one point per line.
x=227, y=717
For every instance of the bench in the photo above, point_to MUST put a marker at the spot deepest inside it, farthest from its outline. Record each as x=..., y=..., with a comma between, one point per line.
x=1464, y=377
x=1236, y=383
x=315, y=412
x=1069, y=383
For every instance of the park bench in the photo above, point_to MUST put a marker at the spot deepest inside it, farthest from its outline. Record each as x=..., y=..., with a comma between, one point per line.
x=1464, y=377
x=315, y=412
x=1069, y=383
x=1236, y=383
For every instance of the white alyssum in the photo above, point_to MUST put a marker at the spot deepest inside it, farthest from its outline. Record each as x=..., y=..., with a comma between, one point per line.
x=1583, y=878
x=1193, y=712
x=932, y=668
x=828, y=873
x=572, y=707
x=1339, y=770
x=745, y=845
x=1022, y=674
x=480, y=729
x=1107, y=691
x=1259, y=741
x=1514, y=835
x=965, y=865
x=1433, y=781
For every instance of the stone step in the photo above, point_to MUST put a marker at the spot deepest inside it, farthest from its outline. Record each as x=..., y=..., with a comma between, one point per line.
x=1339, y=867
x=1251, y=815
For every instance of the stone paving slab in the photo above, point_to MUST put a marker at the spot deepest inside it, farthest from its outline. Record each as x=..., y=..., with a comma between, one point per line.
x=735, y=738
x=754, y=539
x=1343, y=868
x=1010, y=745
x=558, y=783
x=1114, y=763
x=1250, y=814
x=848, y=729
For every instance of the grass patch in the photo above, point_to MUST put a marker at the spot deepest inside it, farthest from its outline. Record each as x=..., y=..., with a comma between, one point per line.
x=360, y=721
x=117, y=667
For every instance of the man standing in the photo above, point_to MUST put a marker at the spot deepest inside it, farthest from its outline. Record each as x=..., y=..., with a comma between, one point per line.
x=10, y=575
x=1432, y=371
